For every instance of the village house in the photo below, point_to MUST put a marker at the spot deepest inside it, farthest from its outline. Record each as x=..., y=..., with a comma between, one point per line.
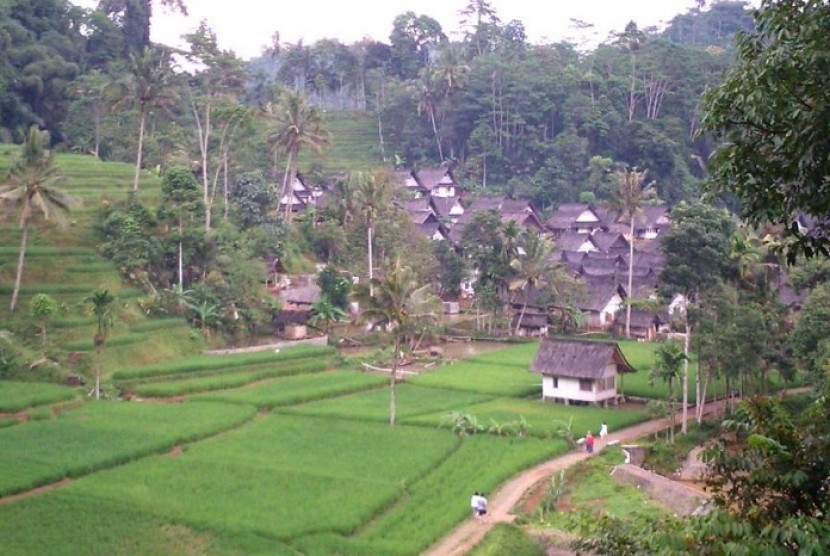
x=437, y=182
x=575, y=217
x=580, y=371
x=299, y=196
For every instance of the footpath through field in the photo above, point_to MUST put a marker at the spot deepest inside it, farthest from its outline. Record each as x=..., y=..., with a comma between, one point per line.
x=464, y=537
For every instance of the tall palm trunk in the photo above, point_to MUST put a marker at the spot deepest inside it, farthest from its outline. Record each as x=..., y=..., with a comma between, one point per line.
x=369, y=233
x=141, y=122
x=97, y=369
x=435, y=133
x=393, y=380
x=522, y=314
x=630, y=277
x=24, y=237
x=181, y=264
x=685, y=409
x=286, y=186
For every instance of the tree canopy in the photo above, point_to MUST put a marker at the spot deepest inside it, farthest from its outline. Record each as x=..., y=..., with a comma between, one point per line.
x=771, y=120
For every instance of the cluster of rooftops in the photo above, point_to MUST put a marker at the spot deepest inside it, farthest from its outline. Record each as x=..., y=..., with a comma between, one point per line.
x=592, y=243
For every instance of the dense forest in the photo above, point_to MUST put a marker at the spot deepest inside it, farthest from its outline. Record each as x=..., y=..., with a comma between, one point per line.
x=539, y=121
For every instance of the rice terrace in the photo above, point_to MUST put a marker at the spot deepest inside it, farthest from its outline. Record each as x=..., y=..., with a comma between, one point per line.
x=477, y=291
x=281, y=455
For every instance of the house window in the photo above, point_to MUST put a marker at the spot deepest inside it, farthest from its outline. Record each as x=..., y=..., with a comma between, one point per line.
x=607, y=383
x=586, y=385
x=556, y=382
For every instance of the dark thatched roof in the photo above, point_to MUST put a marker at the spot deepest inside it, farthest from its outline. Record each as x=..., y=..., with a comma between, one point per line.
x=530, y=320
x=609, y=241
x=565, y=215
x=578, y=358
x=291, y=316
x=572, y=241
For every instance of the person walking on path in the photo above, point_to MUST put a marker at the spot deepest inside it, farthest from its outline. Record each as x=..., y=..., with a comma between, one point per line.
x=481, y=510
x=603, y=431
x=474, y=503
x=589, y=443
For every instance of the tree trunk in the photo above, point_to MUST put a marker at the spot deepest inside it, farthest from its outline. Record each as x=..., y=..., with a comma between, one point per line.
x=181, y=263
x=97, y=372
x=393, y=392
x=630, y=277
x=369, y=232
x=524, y=308
x=435, y=133
x=702, y=398
x=286, y=184
x=141, y=122
x=21, y=258
x=685, y=408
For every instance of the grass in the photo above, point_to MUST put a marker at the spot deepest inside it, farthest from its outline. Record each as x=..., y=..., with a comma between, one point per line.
x=203, y=363
x=507, y=538
x=235, y=378
x=485, y=375
x=300, y=389
x=18, y=396
x=590, y=487
x=481, y=463
x=543, y=419
x=101, y=435
x=280, y=477
x=374, y=405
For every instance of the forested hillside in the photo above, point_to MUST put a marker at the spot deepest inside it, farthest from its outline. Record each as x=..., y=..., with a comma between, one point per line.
x=539, y=121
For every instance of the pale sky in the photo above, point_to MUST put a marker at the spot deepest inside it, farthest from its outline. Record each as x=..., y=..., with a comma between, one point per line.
x=246, y=26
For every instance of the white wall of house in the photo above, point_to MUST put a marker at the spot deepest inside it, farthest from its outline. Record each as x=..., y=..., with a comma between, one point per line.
x=572, y=389
x=438, y=236
x=443, y=191
x=609, y=312
x=678, y=304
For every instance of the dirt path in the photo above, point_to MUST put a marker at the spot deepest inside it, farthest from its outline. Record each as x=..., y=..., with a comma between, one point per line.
x=464, y=537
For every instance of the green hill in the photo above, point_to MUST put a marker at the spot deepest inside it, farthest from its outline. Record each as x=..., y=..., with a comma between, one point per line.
x=354, y=144
x=64, y=263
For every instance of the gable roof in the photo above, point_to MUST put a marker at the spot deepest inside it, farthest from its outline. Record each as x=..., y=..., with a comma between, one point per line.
x=446, y=207
x=578, y=358
x=565, y=216
x=430, y=178
x=608, y=241
x=598, y=292
x=573, y=241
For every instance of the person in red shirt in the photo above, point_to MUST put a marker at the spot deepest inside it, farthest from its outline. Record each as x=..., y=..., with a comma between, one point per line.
x=589, y=443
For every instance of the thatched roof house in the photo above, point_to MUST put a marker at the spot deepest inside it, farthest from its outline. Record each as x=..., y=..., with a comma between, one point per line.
x=580, y=371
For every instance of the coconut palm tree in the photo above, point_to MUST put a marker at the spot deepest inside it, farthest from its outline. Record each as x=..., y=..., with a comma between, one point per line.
x=373, y=192
x=531, y=267
x=147, y=85
x=398, y=303
x=101, y=302
x=669, y=358
x=31, y=186
x=630, y=197
x=297, y=125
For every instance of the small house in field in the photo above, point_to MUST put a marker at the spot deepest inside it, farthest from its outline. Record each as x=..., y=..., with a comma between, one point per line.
x=579, y=371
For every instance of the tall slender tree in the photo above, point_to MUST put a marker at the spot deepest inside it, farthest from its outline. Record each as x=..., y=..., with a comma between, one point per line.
x=147, y=85
x=397, y=303
x=296, y=125
x=373, y=192
x=668, y=360
x=531, y=266
x=630, y=197
x=101, y=302
x=31, y=187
